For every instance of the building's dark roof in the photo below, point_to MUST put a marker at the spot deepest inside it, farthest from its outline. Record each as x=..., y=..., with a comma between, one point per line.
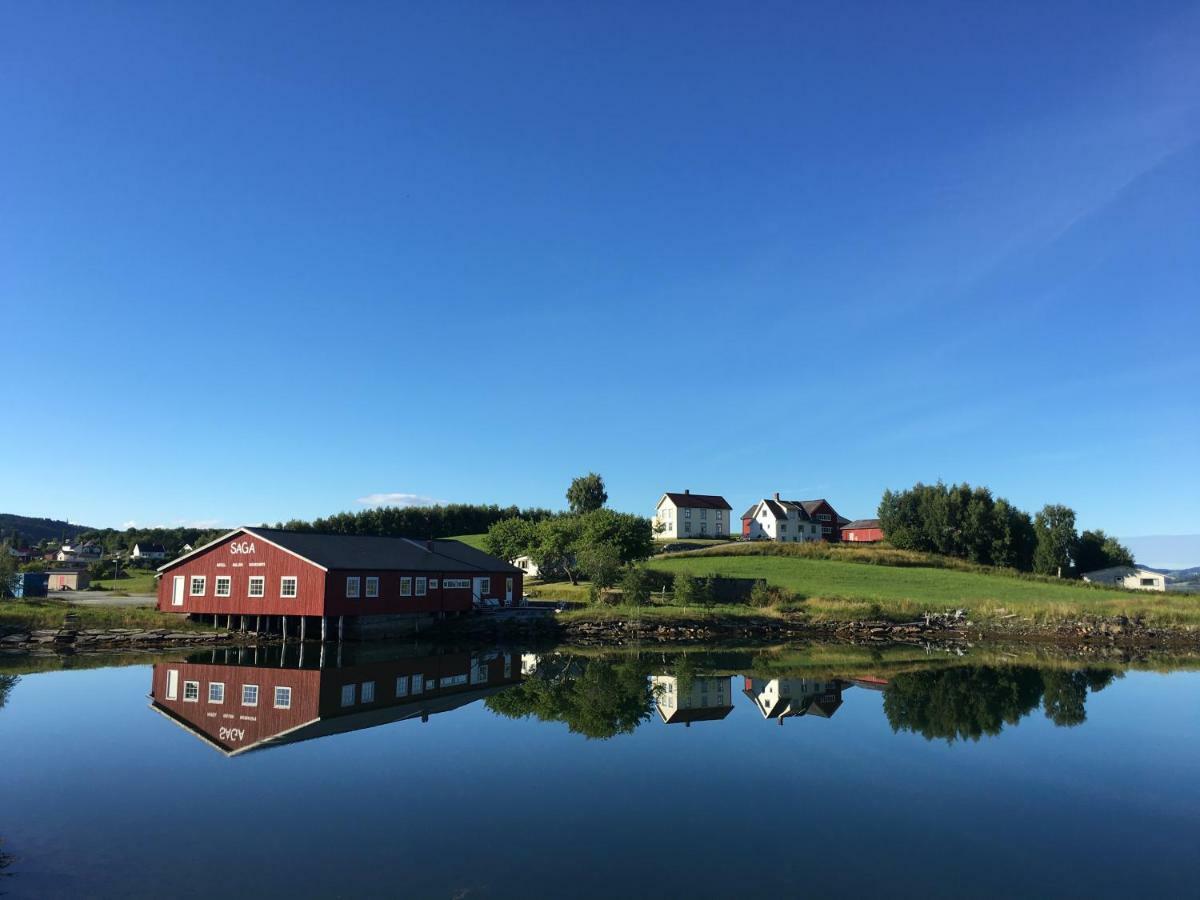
x=355, y=551
x=150, y=548
x=697, y=714
x=861, y=523
x=779, y=509
x=699, y=501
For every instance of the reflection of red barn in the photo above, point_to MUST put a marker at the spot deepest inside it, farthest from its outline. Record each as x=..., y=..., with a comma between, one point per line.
x=236, y=708
x=862, y=531
x=274, y=578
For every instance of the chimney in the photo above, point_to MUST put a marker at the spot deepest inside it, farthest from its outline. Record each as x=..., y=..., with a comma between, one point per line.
x=687, y=490
x=777, y=496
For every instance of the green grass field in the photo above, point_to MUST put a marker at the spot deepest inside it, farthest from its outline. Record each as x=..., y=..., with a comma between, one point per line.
x=136, y=581
x=26, y=615
x=833, y=590
x=471, y=540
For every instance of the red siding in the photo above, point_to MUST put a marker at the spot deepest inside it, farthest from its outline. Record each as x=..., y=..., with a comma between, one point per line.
x=862, y=535
x=267, y=560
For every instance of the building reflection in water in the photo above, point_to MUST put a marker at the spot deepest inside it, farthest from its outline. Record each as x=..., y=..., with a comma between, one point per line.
x=782, y=698
x=243, y=699
x=695, y=699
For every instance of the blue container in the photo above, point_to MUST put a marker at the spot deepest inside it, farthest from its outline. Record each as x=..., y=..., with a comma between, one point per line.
x=31, y=584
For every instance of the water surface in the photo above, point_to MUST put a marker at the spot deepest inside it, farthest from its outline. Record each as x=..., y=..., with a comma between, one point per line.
x=819, y=771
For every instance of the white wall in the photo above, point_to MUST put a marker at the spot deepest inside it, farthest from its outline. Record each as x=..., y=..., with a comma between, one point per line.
x=705, y=523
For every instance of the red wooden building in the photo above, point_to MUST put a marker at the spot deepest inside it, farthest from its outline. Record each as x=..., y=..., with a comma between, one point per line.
x=862, y=531
x=266, y=579
x=237, y=704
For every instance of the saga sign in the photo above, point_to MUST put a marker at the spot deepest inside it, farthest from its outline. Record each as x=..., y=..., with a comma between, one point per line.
x=232, y=734
x=239, y=547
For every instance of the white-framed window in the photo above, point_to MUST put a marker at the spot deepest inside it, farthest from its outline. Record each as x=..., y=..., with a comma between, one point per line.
x=348, y=694
x=454, y=680
x=287, y=586
x=822, y=517
x=704, y=514
x=401, y=685
x=216, y=692
x=368, y=692
x=249, y=695
x=372, y=585
x=485, y=586
x=687, y=513
x=783, y=526
x=406, y=586
x=283, y=698
x=421, y=583
x=826, y=529
x=257, y=586
x=418, y=683
x=352, y=585
x=479, y=673
x=453, y=583
x=223, y=586
x=687, y=527
x=196, y=585
x=191, y=691
x=433, y=583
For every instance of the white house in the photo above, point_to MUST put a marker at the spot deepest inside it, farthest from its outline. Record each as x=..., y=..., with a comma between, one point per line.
x=689, y=515
x=527, y=565
x=787, y=521
x=149, y=551
x=1129, y=577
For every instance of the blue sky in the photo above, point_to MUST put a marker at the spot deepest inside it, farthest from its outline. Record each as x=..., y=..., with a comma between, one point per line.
x=272, y=263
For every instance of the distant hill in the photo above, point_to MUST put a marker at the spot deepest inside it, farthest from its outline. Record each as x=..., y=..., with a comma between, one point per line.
x=33, y=530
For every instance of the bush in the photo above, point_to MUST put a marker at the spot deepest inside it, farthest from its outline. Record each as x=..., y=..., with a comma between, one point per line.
x=763, y=595
x=636, y=586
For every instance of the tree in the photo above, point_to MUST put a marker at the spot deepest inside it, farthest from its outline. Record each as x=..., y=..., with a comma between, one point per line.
x=600, y=563
x=1013, y=538
x=635, y=586
x=510, y=538
x=8, y=570
x=632, y=535
x=556, y=543
x=1056, y=540
x=586, y=493
x=1097, y=550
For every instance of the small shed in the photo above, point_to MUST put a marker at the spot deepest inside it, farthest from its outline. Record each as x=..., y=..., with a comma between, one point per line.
x=30, y=584
x=69, y=580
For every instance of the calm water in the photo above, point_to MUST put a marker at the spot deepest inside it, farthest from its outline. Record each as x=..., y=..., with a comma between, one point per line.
x=499, y=773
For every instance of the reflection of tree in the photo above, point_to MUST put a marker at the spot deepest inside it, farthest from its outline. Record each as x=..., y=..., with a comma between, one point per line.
x=961, y=703
x=971, y=702
x=599, y=699
x=7, y=683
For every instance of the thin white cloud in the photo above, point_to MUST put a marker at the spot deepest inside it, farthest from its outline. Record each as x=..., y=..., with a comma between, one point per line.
x=130, y=524
x=396, y=499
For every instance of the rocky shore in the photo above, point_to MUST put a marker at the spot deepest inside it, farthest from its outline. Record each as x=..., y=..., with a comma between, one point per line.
x=74, y=639
x=942, y=628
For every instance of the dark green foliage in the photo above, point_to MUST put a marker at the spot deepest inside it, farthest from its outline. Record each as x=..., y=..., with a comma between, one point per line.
x=8, y=571
x=960, y=521
x=1097, y=550
x=763, y=595
x=636, y=586
x=1056, y=540
x=691, y=591
x=571, y=545
x=600, y=563
x=7, y=683
x=420, y=522
x=596, y=698
x=510, y=538
x=586, y=493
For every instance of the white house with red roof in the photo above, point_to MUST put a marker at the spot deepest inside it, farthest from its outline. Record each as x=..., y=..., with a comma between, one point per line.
x=688, y=515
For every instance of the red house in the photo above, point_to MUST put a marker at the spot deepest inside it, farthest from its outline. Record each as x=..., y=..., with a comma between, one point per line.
x=862, y=531
x=266, y=579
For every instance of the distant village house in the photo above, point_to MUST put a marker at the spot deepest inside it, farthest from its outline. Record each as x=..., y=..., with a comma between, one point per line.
x=1131, y=577
x=791, y=521
x=149, y=551
x=862, y=531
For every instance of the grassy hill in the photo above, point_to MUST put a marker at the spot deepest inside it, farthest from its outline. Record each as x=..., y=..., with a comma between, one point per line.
x=471, y=540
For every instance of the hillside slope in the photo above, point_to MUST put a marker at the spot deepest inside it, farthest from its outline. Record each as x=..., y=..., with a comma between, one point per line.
x=33, y=530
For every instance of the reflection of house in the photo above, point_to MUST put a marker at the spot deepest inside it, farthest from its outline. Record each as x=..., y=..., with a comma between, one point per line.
x=862, y=531
x=780, y=698
x=529, y=663
x=236, y=707
x=791, y=521
x=698, y=699
x=1129, y=577
x=689, y=515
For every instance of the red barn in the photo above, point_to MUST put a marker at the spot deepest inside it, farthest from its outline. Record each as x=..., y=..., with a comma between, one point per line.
x=862, y=531
x=275, y=580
